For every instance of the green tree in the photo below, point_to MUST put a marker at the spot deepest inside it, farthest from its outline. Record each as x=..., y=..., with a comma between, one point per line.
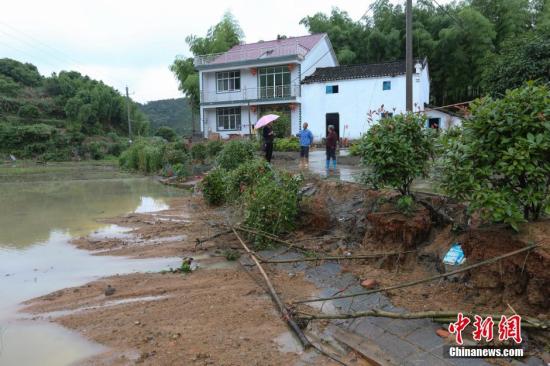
x=520, y=59
x=25, y=74
x=219, y=38
x=500, y=163
x=166, y=133
x=396, y=151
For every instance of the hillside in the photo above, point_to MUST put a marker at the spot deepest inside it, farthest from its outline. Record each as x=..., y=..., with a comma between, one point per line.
x=173, y=113
x=64, y=116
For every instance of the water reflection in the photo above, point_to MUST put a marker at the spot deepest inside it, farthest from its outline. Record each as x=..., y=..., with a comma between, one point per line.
x=30, y=211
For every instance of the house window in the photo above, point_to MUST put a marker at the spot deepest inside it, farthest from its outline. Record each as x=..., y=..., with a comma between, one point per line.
x=332, y=89
x=386, y=85
x=228, y=81
x=386, y=114
x=228, y=119
x=274, y=82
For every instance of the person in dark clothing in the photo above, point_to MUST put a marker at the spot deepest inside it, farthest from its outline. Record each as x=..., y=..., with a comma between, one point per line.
x=268, y=135
x=331, y=141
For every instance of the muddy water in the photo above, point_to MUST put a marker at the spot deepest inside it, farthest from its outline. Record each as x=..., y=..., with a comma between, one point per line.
x=37, y=222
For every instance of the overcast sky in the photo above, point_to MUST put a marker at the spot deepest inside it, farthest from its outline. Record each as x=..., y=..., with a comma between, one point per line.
x=132, y=43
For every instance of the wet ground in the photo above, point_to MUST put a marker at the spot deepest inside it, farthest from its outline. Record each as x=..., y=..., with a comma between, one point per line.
x=38, y=220
x=348, y=169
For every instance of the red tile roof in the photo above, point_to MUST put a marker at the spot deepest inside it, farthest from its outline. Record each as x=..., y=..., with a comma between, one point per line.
x=276, y=48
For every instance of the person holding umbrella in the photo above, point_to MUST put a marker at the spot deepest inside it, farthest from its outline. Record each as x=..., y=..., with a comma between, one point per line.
x=267, y=133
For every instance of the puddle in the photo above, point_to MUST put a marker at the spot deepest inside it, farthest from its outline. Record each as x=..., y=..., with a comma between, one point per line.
x=51, y=345
x=37, y=222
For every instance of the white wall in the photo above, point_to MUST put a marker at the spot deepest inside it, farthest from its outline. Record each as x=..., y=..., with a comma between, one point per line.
x=355, y=99
x=321, y=55
x=210, y=118
x=248, y=81
x=446, y=120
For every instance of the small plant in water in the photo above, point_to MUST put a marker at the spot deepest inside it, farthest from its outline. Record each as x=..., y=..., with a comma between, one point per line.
x=185, y=266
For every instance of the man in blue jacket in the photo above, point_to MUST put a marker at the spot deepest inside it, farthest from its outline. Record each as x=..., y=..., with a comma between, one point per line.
x=306, y=139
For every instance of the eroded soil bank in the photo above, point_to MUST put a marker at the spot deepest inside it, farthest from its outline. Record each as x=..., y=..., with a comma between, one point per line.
x=220, y=313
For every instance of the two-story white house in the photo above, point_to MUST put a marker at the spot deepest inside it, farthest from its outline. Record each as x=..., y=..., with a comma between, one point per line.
x=353, y=97
x=240, y=85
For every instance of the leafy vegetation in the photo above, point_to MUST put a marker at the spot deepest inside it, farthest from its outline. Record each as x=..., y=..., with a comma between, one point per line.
x=214, y=186
x=166, y=133
x=286, y=144
x=396, y=151
x=235, y=153
x=219, y=38
x=173, y=113
x=246, y=175
x=213, y=148
x=484, y=39
x=272, y=206
x=150, y=155
x=500, y=162
x=61, y=117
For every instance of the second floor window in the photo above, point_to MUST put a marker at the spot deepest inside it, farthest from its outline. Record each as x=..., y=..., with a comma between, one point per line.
x=274, y=82
x=386, y=85
x=228, y=119
x=228, y=81
x=331, y=89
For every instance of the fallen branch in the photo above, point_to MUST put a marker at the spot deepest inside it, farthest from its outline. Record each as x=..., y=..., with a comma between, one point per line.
x=199, y=242
x=428, y=279
x=435, y=315
x=272, y=237
x=334, y=258
x=282, y=308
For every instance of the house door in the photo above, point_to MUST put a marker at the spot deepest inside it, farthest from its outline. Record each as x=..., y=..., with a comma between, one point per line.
x=333, y=119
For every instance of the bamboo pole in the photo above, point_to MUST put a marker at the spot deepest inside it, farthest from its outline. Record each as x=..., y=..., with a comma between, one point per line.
x=428, y=279
x=434, y=315
x=282, y=308
x=271, y=236
x=334, y=258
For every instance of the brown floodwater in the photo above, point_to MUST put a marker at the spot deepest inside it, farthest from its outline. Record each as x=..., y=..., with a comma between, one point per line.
x=37, y=222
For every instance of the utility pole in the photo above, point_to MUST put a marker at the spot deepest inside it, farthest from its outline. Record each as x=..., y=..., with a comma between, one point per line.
x=409, y=57
x=128, y=113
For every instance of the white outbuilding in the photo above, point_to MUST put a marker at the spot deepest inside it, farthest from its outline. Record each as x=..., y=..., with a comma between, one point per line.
x=354, y=97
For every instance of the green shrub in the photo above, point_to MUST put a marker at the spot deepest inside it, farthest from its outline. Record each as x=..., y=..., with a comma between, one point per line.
x=28, y=111
x=145, y=155
x=500, y=163
x=167, y=133
x=405, y=204
x=8, y=86
x=272, y=206
x=173, y=154
x=235, y=153
x=355, y=149
x=232, y=254
x=396, y=151
x=246, y=176
x=286, y=144
x=96, y=149
x=213, y=148
x=199, y=152
x=181, y=170
x=213, y=186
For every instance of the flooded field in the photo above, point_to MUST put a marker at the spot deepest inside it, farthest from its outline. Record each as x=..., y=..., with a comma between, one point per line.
x=38, y=218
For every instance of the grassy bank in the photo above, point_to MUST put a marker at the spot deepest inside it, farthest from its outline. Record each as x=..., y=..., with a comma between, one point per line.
x=30, y=171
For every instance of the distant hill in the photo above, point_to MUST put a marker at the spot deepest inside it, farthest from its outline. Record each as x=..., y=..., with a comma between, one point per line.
x=173, y=113
x=63, y=116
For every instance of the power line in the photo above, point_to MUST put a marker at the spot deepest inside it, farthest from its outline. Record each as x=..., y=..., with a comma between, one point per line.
x=457, y=21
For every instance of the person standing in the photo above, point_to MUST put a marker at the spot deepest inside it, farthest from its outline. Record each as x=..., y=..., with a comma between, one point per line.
x=268, y=135
x=306, y=139
x=331, y=141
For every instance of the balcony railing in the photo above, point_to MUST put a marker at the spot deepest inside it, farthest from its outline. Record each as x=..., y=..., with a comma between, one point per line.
x=267, y=93
x=250, y=54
